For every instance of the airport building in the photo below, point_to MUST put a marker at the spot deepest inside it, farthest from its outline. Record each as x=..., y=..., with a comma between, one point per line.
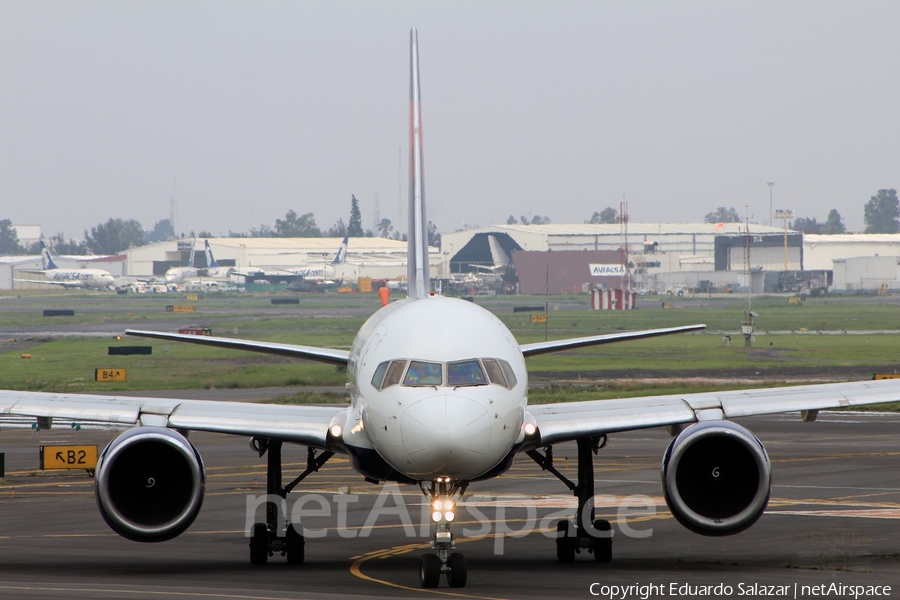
x=660, y=256
x=375, y=257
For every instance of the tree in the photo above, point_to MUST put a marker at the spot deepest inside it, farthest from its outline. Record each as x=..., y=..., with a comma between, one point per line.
x=434, y=237
x=834, y=223
x=9, y=239
x=385, y=228
x=806, y=225
x=263, y=231
x=882, y=212
x=723, y=215
x=607, y=215
x=355, y=228
x=297, y=226
x=161, y=232
x=114, y=236
x=339, y=229
x=535, y=220
x=511, y=220
x=60, y=245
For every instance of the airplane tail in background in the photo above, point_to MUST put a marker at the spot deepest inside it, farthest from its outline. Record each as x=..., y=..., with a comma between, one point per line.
x=210, y=259
x=191, y=259
x=418, y=278
x=498, y=254
x=46, y=259
x=341, y=256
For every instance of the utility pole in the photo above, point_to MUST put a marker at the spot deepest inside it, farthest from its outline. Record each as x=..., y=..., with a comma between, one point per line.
x=771, y=185
x=784, y=215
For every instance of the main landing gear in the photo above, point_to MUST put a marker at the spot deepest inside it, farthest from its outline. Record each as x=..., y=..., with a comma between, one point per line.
x=443, y=512
x=266, y=538
x=589, y=534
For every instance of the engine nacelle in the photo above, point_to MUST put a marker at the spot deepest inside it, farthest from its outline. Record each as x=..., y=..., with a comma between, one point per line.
x=716, y=478
x=149, y=484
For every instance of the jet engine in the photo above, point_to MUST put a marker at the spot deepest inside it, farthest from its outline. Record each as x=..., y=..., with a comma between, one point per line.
x=149, y=484
x=716, y=478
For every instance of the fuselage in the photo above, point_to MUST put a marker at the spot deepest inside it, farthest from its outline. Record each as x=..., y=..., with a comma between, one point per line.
x=438, y=389
x=88, y=278
x=179, y=274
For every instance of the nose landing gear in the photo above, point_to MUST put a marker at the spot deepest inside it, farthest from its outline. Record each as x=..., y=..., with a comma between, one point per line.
x=443, y=512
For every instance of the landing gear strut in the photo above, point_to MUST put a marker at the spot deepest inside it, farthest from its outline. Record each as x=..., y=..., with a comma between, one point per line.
x=589, y=534
x=266, y=538
x=443, y=512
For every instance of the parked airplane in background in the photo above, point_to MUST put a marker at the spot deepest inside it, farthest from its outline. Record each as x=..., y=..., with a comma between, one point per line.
x=181, y=274
x=97, y=279
x=325, y=271
x=212, y=270
x=438, y=398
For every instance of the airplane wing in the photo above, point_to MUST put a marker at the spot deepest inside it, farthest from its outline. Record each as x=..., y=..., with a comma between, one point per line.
x=307, y=425
x=566, y=421
x=65, y=284
x=326, y=355
x=595, y=340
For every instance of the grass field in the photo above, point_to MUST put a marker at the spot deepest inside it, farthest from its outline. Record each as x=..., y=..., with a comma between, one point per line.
x=798, y=352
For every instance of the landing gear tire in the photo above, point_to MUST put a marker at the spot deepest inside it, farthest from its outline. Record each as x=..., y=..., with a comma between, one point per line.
x=294, y=546
x=458, y=573
x=602, y=546
x=565, y=542
x=259, y=544
x=430, y=571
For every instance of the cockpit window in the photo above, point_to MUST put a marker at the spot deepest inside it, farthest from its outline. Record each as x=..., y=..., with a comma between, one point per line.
x=393, y=374
x=465, y=372
x=378, y=377
x=460, y=373
x=494, y=373
x=510, y=375
x=423, y=373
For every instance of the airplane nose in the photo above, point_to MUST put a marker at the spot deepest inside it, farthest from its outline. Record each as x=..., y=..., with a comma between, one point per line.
x=446, y=434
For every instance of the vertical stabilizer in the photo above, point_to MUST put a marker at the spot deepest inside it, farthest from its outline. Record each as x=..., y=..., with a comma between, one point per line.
x=191, y=259
x=46, y=259
x=341, y=256
x=419, y=283
x=210, y=259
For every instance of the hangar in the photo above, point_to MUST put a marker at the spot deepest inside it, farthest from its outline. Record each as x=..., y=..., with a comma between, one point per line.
x=659, y=255
x=366, y=256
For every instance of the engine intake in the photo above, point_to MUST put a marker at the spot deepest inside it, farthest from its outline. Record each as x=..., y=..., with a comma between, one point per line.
x=149, y=484
x=716, y=478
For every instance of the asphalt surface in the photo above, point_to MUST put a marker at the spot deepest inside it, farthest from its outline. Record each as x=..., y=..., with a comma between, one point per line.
x=834, y=518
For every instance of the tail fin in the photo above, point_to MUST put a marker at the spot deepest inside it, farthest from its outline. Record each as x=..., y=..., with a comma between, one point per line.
x=419, y=283
x=341, y=256
x=46, y=259
x=191, y=259
x=498, y=254
x=210, y=259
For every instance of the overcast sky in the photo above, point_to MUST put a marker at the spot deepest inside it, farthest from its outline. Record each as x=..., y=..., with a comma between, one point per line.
x=552, y=108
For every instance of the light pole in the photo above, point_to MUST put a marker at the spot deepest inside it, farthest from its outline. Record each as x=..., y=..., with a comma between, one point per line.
x=771, y=185
x=784, y=215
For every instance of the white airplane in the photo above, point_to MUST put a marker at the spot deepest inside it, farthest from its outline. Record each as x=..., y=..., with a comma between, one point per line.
x=438, y=398
x=325, y=271
x=213, y=269
x=95, y=279
x=181, y=274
